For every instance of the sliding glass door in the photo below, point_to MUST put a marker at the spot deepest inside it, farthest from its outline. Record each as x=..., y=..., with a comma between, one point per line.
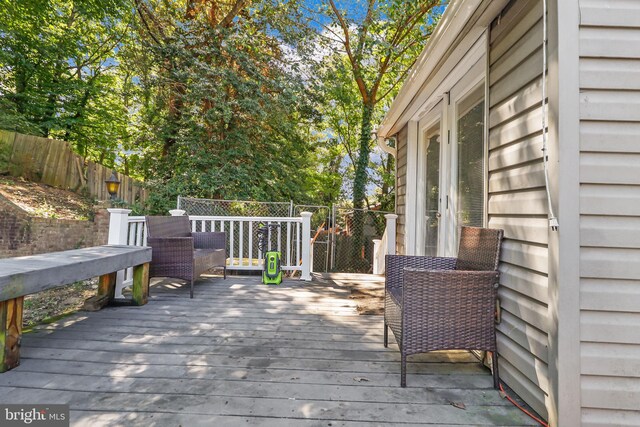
x=466, y=153
x=470, y=159
x=451, y=184
x=432, y=190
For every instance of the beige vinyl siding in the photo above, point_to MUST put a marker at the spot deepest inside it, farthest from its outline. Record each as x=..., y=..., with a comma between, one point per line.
x=517, y=198
x=401, y=188
x=610, y=212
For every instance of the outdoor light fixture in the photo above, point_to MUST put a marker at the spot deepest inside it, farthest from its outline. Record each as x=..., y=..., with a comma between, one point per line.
x=112, y=185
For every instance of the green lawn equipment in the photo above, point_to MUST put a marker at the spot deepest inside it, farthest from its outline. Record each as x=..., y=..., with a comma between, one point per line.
x=272, y=271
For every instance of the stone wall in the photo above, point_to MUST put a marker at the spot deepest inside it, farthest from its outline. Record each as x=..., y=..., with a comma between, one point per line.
x=22, y=234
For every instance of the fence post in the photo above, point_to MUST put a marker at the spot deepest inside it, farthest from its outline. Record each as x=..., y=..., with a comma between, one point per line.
x=376, y=249
x=306, y=246
x=118, y=234
x=176, y=212
x=391, y=233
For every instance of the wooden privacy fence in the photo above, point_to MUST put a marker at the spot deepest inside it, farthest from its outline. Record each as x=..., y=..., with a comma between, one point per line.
x=52, y=162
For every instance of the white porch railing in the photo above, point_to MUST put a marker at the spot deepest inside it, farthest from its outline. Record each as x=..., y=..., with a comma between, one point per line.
x=292, y=239
x=386, y=245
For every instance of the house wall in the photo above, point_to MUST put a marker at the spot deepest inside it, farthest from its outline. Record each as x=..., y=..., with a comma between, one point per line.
x=401, y=189
x=517, y=198
x=610, y=212
x=516, y=187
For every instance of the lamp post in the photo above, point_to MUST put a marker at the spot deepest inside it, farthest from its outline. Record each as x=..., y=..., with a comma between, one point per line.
x=112, y=185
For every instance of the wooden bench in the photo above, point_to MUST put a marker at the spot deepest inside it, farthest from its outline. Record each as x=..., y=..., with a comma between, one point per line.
x=31, y=274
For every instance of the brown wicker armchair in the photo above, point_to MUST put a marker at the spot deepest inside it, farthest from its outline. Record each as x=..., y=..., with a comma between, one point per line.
x=436, y=303
x=181, y=254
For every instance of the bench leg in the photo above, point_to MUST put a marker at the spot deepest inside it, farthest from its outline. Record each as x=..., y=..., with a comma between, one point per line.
x=107, y=286
x=106, y=293
x=141, y=284
x=10, y=333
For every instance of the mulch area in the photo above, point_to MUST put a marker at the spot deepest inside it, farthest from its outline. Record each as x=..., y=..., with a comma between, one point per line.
x=370, y=298
x=44, y=201
x=366, y=290
x=54, y=303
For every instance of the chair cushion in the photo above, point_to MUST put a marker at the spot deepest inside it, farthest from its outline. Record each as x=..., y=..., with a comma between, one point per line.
x=206, y=259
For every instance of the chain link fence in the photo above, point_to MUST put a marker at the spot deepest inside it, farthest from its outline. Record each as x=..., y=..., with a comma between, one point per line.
x=352, y=234
x=320, y=234
x=211, y=207
x=342, y=236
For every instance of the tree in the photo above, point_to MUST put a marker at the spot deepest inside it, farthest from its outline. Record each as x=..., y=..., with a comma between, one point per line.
x=381, y=47
x=375, y=45
x=235, y=112
x=342, y=117
x=58, y=75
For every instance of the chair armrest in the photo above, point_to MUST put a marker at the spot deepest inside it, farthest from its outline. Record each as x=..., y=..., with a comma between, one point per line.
x=171, y=249
x=395, y=265
x=451, y=294
x=210, y=240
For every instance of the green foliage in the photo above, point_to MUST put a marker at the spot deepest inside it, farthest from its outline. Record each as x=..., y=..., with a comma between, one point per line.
x=372, y=48
x=216, y=99
x=58, y=72
x=5, y=156
x=237, y=114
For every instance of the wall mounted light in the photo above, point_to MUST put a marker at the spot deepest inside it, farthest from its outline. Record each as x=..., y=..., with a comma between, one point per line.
x=112, y=185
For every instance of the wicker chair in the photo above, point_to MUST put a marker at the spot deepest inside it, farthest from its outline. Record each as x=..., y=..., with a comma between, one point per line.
x=436, y=303
x=181, y=254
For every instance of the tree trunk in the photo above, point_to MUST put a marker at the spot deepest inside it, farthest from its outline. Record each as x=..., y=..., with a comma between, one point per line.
x=81, y=146
x=360, y=179
x=21, y=88
x=387, y=198
x=359, y=188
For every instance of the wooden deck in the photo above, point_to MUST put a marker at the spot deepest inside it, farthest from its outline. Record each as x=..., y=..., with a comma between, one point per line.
x=241, y=353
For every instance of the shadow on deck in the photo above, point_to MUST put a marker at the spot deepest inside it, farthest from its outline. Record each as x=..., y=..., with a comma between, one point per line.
x=241, y=353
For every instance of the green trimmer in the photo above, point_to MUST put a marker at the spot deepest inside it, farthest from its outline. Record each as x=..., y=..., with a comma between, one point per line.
x=272, y=270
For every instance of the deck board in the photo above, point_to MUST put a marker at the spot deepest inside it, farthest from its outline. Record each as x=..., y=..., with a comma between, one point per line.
x=241, y=353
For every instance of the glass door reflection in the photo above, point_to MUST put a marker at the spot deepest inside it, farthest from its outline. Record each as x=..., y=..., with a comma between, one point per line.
x=432, y=137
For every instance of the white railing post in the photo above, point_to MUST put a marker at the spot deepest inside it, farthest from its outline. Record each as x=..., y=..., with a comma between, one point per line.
x=118, y=235
x=376, y=251
x=118, y=226
x=305, y=238
x=177, y=212
x=391, y=233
